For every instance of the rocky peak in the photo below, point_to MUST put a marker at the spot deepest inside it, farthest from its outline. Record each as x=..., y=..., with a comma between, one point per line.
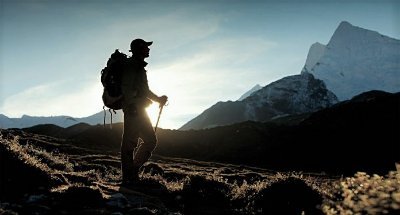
x=356, y=60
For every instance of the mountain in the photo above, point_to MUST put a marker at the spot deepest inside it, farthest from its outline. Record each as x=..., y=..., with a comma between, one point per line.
x=6, y=122
x=27, y=121
x=62, y=121
x=295, y=94
x=356, y=60
x=248, y=93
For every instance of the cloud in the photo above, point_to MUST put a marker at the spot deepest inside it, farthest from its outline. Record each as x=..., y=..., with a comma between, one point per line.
x=60, y=98
x=169, y=30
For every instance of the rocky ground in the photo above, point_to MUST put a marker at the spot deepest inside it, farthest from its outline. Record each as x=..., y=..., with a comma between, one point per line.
x=47, y=175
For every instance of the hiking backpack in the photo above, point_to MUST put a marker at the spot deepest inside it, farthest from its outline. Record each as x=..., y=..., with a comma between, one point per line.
x=111, y=80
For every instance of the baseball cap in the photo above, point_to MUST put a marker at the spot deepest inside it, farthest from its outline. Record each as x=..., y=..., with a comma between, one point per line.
x=136, y=43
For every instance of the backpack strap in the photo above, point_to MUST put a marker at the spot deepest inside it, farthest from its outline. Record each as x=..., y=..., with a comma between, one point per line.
x=104, y=118
x=105, y=113
x=109, y=110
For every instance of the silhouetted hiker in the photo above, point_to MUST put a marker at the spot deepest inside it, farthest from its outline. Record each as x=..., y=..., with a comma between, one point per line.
x=136, y=97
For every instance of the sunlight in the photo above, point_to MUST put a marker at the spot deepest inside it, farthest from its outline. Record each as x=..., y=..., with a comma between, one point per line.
x=153, y=111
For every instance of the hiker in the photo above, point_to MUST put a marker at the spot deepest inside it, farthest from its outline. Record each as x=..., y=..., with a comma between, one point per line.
x=136, y=97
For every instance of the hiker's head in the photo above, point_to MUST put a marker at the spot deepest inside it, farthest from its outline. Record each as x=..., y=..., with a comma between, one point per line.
x=140, y=48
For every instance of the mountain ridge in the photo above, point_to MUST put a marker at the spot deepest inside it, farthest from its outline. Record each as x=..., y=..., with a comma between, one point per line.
x=63, y=121
x=248, y=93
x=295, y=94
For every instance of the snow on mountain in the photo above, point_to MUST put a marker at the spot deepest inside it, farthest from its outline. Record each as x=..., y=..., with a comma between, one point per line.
x=356, y=60
x=290, y=95
x=62, y=121
x=248, y=93
x=317, y=50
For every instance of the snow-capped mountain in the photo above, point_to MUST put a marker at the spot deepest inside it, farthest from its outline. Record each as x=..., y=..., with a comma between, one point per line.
x=290, y=95
x=248, y=93
x=356, y=60
x=62, y=121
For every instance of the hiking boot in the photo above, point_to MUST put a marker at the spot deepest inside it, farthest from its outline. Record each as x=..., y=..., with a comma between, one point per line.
x=132, y=180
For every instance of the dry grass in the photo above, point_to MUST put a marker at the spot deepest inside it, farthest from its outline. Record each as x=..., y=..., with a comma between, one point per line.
x=366, y=194
x=360, y=194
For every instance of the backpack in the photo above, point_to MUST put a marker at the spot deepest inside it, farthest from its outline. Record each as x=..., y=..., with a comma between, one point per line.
x=111, y=80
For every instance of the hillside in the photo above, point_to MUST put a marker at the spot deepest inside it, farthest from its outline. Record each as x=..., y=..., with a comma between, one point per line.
x=333, y=139
x=67, y=179
x=359, y=134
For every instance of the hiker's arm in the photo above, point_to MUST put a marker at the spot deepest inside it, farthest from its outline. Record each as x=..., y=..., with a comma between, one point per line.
x=152, y=96
x=149, y=94
x=162, y=100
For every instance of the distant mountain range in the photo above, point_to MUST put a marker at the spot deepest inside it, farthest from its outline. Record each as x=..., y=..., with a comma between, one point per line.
x=355, y=60
x=62, y=121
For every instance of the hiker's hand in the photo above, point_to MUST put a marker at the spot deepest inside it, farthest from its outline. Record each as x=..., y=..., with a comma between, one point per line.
x=163, y=100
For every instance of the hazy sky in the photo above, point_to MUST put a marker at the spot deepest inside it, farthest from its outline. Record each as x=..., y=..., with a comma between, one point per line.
x=52, y=52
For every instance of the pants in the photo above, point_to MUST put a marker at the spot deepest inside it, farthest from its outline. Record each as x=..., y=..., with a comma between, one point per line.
x=133, y=155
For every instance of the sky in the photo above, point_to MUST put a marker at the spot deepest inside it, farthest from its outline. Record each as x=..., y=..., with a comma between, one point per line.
x=52, y=52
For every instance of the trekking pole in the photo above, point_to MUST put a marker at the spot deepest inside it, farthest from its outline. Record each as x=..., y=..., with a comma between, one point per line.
x=158, y=119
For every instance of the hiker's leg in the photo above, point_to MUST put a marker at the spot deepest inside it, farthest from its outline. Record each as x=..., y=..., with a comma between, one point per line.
x=149, y=138
x=129, y=142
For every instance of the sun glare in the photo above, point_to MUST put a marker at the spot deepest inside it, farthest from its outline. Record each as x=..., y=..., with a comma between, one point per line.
x=153, y=111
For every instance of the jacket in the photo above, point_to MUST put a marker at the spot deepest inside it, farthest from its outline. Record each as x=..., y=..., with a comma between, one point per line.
x=134, y=85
